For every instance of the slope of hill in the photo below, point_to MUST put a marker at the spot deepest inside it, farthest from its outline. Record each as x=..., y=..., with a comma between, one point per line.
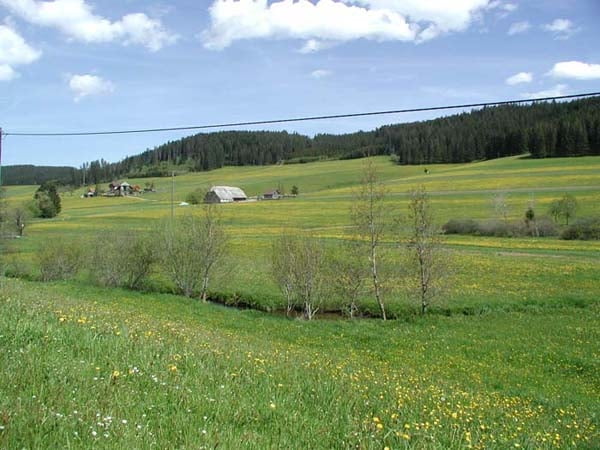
x=458, y=191
x=543, y=129
x=29, y=174
x=85, y=367
x=507, y=358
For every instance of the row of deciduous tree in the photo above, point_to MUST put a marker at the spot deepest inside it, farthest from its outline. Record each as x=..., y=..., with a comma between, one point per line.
x=185, y=250
x=377, y=252
x=188, y=249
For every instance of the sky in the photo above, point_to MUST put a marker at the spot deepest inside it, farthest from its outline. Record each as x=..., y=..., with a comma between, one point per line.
x=94, y=65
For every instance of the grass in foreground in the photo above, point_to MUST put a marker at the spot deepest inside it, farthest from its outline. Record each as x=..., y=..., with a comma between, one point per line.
x=85, y=367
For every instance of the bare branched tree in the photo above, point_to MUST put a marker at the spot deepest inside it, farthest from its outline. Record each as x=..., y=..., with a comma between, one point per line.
x=298, y=268
x=59, y=259
x=104, y=259
x=370, y=219
x=215, y=244
x=122, y=258
x=282, y=266
x=309, y=275
x=192, y=247
x=430, y=263
x=141, y=257
x=348, y=274
x=500, y=205
x=20, y=215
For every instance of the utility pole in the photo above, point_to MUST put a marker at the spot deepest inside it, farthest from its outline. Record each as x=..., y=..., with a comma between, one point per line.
x=0, y=156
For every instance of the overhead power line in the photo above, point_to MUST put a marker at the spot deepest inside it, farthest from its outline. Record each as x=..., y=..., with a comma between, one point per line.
x=304, y=119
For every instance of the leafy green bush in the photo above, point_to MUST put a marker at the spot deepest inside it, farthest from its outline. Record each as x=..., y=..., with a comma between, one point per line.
x=48, y=200
x=500, y=228
x=583, y=229
x=542, y=227
x=460, y=226
x=192, y=247
x=122, y=259
x=196, y=197
x=546, y=227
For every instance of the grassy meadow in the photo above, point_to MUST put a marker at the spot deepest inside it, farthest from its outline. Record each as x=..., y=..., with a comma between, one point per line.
x=84, y=367
x=489, y=272
x=509, y=358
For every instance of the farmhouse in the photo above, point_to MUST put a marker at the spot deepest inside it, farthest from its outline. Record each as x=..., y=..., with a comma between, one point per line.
x=225, y=194
x=120, y=189
x=272, y=195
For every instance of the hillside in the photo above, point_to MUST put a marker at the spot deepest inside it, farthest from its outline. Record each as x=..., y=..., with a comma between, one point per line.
x=458, y=191
x=22, y=175
x=543, y=129
x=506, y=358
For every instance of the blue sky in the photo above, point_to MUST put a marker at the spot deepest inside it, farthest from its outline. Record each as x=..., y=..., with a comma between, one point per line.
x=80, y=65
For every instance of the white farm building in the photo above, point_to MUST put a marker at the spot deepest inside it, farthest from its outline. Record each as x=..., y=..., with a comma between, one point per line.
x=225, y=194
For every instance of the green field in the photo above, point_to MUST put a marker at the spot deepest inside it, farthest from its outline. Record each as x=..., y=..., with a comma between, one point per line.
x=509, y=358
x=490, y=272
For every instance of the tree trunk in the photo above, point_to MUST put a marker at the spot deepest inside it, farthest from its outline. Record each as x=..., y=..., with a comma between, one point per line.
x=423, y=282
x=376, y=286
x=204, y=288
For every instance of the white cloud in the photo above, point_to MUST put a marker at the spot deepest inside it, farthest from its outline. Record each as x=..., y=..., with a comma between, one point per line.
x=7, y=73
x=314, y=45
x=321, y=73
x=504, y=8
x=519, y=78
x=519, y=27
x=75, y=18
x=14, y=51
x=446, y=16
x=556, y=91
x=576, y=70
x=327, y=21
x=561, y=28
x=497, y=4
x=89, y=85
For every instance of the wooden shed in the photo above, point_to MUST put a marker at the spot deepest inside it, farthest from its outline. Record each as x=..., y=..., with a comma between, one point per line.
x=272, y=195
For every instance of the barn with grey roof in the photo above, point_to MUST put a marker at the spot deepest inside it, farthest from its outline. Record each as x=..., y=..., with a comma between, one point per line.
x=225, y=194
